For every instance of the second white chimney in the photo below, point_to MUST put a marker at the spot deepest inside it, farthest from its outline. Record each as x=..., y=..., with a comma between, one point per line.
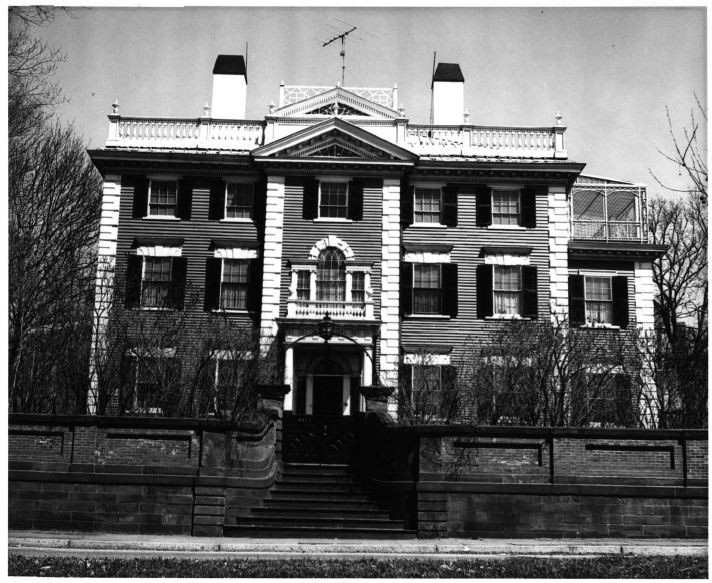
x=448, y=94
x=229, y=87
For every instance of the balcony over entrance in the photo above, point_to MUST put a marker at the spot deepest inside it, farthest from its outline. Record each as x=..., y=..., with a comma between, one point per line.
x=602, y=210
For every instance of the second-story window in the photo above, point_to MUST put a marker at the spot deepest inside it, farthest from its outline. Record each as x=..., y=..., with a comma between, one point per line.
x=239, y=200
x=163, y=198
x=599, y=300
x=303, y=284
x=506, y=207
x=358, y=290
x=233, y=289
x=427, y=205
x=331, y=276
x=333, y=199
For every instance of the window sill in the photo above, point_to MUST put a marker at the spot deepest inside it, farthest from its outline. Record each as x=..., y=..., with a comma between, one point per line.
x=230, y=311
x=156, y=309
x=507, y=227
x=428, y=225
x=506, y=317
x=332, y=220
x=161, y=218
x=236, y=220
x=428, y=316
x=590, y=326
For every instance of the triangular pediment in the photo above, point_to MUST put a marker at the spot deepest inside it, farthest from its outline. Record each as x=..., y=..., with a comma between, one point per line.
x=336, y=102
x=334, y=138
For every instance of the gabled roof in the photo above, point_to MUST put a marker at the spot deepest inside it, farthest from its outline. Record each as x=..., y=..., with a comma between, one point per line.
x=334, y=138
x=346, y=102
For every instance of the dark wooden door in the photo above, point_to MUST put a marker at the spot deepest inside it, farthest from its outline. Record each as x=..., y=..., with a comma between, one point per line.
x=328, y=395
x=319, y=439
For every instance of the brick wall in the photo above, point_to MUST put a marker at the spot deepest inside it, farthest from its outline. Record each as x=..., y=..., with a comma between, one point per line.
x=134, y=475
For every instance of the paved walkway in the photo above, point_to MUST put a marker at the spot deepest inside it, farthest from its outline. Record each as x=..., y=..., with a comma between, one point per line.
x=106, y=544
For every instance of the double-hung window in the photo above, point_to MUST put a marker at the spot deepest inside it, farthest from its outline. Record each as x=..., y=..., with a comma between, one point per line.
x=333, y=199
x=599, y=300
x=507, y=290
x=427, y=205
x=239, y=200
x=163, y=198
x=233, y=288
x=157, y=277
x=358, y=289
x=427, y=288
x=506, y=207
x=303, y=284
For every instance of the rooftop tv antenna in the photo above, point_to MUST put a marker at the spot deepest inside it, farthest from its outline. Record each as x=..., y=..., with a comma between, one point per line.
x=343, y=51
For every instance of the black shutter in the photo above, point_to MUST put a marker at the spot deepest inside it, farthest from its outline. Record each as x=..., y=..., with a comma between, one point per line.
x=449, y=395
x=140, y=200
x=530, y=304
x=407, y=194
x=620, y=301
x=254, y=291
x=213, y=273
x=356, y=200
x=449, y=213
x=134, y=270
x=216, y=210
x=185, y=196
x=484, y=291
x=405, y=373
x=484, y=206
x=176, y=293
x=529, y=207
x=449, y=289
x=260, y=204
x=577, y=303
x=310, y=202
x=406, y=288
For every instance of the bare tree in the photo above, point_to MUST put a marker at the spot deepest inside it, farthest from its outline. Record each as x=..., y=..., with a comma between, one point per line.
x=31, y=63
x=53, y=220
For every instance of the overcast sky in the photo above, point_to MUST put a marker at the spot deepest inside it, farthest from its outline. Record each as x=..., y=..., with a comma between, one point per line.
x=609, y=71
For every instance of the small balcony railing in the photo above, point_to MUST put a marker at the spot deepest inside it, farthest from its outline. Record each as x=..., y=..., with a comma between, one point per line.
x=608, y=230
x=337, y=310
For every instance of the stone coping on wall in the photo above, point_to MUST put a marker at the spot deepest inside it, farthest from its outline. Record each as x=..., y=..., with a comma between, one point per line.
x=125, y=421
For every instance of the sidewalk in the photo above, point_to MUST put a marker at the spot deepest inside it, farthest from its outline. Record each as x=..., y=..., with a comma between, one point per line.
x=107, y=544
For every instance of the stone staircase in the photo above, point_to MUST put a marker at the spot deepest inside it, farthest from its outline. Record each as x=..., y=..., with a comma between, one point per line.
x=318, y=501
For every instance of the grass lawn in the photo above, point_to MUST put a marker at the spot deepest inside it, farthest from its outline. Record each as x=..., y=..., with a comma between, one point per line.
x=610, y=567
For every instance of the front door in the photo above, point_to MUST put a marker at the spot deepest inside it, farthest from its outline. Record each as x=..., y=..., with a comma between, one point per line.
x=328, y=395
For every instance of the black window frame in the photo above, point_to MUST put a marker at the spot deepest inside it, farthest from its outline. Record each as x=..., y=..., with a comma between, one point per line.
x=321, y=205
x=248, y=208
x=176, y=195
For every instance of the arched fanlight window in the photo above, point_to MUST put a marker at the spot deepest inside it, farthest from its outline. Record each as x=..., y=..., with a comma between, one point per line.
x=331, y=276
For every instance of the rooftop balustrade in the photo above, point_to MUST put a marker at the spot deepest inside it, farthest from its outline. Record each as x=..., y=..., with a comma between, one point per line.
x=246, y=135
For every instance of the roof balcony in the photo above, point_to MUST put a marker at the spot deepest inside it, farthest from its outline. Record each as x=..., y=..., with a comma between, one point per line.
x=607, y=211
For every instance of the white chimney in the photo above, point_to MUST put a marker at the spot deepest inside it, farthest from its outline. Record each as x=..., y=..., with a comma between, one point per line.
x=229, y=87
x=448, y=94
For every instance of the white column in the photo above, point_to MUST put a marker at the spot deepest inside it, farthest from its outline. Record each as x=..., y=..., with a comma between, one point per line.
x=289, y=377
x=104, y=294
x=559, y=235
x=367, y=368
x=390, y=286
x=272, y=270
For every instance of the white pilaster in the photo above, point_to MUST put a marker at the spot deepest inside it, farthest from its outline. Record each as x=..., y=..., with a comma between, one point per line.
x=645, y=320
x=104, y=293
x=272, y=269
x=390, y=286
x=289, y=377
x=559, y=234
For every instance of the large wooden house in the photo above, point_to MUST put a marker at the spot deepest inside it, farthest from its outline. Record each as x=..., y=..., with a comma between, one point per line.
x=410, y=237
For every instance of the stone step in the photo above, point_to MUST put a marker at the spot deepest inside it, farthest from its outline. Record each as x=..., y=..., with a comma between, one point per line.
x=280, y=521
x=306, y=513
x=317, y=532
x=362, y=503
x=317, y=486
